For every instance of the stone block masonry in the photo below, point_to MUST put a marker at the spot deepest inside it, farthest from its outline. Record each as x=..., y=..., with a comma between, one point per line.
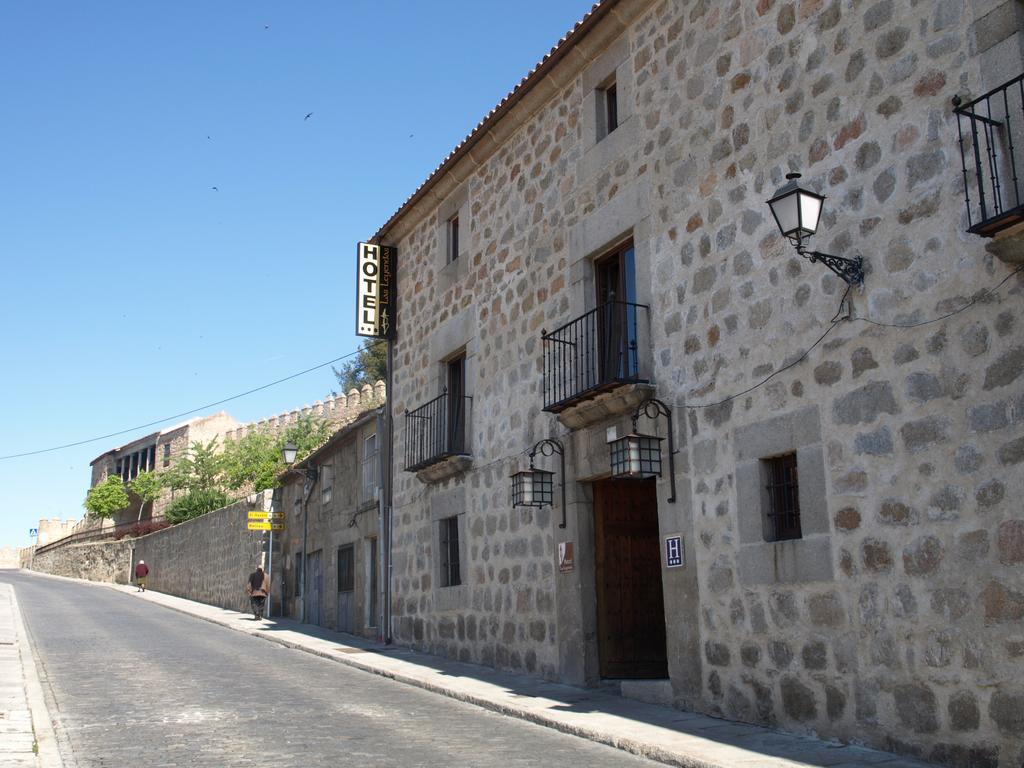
x=206, y=559
x=908, y=631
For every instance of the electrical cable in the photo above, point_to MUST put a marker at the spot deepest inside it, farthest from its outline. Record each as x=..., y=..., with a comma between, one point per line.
x=850, y=318
x=968, y=305
x=185, y=413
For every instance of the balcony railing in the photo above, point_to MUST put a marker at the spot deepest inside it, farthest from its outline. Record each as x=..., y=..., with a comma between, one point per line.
x=991, y=130
x=436, y=430
x=595, y=352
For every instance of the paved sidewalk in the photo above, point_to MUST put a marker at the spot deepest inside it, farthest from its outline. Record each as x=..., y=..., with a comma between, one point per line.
x=26, y=734
x=668, y=735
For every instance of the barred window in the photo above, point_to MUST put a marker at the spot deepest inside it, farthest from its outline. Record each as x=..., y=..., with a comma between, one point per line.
x=346, y=568
x=783, y=508
x=450, y=576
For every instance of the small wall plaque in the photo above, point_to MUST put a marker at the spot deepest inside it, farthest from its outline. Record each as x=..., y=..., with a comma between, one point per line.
x=675, y=556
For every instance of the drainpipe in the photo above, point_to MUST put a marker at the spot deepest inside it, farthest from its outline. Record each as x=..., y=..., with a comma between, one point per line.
x=309, y=473
x=386, y=491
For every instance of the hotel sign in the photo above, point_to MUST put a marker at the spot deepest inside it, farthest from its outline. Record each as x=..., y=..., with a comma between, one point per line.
x=375, y=290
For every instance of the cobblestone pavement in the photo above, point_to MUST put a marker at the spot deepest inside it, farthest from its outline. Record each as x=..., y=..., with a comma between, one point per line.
x=135, y=684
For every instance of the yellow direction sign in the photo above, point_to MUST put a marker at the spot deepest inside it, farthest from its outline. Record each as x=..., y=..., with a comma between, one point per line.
x=261, y=526
x=266, y=515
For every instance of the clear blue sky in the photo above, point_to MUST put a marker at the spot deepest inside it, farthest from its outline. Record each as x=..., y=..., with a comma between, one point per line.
x=132, y=290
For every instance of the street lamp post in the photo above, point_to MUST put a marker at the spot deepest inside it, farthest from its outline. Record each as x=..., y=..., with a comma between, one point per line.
x=309, y=474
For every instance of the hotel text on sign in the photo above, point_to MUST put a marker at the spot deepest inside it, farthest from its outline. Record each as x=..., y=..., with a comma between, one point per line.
x=375, y=290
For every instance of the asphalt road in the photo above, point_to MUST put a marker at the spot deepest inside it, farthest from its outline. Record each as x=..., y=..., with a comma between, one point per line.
x=130, y=683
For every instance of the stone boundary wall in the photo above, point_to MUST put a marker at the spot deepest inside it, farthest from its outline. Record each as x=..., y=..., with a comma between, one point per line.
x=108, y=561
x=338, y=410
x=209, y=558
x=206, y=559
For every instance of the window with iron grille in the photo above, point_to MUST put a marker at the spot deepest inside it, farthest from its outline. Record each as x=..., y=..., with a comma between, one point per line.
x=783, y=508
x=449, y=541
x=346, y=568
x=167, y=454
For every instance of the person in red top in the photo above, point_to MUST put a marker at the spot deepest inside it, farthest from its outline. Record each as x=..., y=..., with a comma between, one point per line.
x=141, y=572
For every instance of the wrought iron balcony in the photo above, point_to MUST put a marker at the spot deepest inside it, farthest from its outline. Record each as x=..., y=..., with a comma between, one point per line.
x=596, y=352
x=437, y=430
x=991, y=130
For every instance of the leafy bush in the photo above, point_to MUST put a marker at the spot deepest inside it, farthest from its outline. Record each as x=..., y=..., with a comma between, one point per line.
x=195, y=503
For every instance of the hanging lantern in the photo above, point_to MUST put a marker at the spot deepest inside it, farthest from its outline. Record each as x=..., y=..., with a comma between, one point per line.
x=533, y=488
x=636, y=456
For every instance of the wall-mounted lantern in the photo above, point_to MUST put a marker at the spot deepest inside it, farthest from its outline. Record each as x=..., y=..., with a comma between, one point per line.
x=637, y=456
x=535, y=487
x=796, y=211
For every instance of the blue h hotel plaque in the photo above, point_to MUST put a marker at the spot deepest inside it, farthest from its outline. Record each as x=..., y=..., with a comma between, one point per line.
x=375, y=290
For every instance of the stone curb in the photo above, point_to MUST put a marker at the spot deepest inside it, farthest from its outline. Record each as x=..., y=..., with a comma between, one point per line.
x=46, y=739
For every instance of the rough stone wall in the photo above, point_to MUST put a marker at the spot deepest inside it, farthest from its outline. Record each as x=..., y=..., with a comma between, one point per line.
x=209, y=558
x=108, y=561
x=914, y=642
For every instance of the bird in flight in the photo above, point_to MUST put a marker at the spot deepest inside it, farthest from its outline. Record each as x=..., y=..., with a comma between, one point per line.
x=308, y=115
x=215, y=189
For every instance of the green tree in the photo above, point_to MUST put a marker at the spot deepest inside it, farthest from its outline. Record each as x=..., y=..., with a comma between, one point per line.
x=369, y=366
x=146, y=487
x=253, y=462
x=107, y=498
x=200, y=469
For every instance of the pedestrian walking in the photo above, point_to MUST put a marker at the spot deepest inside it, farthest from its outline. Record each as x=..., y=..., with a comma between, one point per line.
x=257, y=588
x=141, y=572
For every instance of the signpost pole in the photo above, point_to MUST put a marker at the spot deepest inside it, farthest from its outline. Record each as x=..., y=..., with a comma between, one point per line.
x=270, y=575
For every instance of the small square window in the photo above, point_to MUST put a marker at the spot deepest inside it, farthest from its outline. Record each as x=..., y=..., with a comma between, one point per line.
x=453, y=238
x=783, y=509
x=449, y=541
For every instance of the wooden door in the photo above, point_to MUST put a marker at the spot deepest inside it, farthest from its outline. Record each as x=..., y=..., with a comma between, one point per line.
x=346, y=589
x=630, y=608
x=315, y=574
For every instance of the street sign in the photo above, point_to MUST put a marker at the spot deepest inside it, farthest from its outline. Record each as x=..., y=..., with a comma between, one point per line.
x=261, y=526
x=266, y=515
x=33, y=532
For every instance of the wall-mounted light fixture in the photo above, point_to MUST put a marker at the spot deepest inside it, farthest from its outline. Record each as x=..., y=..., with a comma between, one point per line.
x=796, y=211
x=637, y=456
x=535, y=487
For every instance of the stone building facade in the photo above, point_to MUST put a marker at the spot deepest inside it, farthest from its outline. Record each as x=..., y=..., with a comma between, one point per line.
x=630, y=172
x=330, y=502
